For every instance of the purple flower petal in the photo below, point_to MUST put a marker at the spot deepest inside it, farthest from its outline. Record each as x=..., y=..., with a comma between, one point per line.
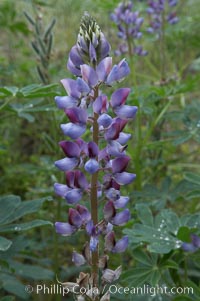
x=189, y=247
x=110, y=241
x=89, y=75
x=120, y=164
x=119, y=97
x=104, y=68
x=94, y=240
x=121, y=218
x=70, y=178
x=123, y=138
x=126, y=112
x=195, y=240
x=121, y=202
x=89, y=227
x=109, y=211
x=73, y=196
x=104, y=120
x=80, y=180
x=115, y=149
x=112, y=194
x=65, y=102
x=118, y=72
x=72, y=130
x=82, y=86
x=78, y=259
x=74, y=70
x=70, y=86
x=75, y=56
x=124, y=178
x=100, y=104
x=71, y=149
x=77, y=115
x=91, y=166
x=84, y=213
x=61, y=189
x=93, y=149
x=64, y=229
x=74, y=218
x=121, y=245
x=92, y=53
x=66, y=164
x=104, y=46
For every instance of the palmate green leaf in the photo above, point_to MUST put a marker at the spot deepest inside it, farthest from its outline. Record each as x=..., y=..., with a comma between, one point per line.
x=192, y=177
x=167, y=232
x=35, y=90
x=8, y=91
x=140, y=275
x=4, y=244
x=24, y=226
x=12, y=285
x=26, y=207
x=145, y=215
x=8, y=204
x=28, y=271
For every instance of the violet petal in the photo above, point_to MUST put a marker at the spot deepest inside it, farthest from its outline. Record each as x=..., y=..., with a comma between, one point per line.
x=64, y=229
x=124, y=178
x=121, y=218
x=119, y=97
x=78, y=259
x=89, y=75
x=72, y=130
x=91, y=166
x=121, y=245
x=65, y=102
x=126, y=112
x=66, y=164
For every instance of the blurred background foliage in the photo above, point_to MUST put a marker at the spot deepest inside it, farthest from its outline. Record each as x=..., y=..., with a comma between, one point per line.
x=164, y=146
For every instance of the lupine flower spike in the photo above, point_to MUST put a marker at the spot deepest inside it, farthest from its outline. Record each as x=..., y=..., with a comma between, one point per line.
x=129, y=25
x=96, y=168
x=160, y=11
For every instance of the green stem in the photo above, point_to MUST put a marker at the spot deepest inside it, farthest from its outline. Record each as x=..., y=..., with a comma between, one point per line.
x=162, y=49
x=94, y=199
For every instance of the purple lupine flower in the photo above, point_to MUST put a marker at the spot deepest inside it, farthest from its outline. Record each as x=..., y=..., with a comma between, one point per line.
x=193, y=246
x=129, y=28
x=156, y=10
x=97, y=167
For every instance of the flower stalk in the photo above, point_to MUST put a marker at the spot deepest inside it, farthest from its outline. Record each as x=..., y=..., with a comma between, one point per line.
x=96, y=167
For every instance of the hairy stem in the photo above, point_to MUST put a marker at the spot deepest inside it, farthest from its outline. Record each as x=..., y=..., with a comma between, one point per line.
x=93, y=197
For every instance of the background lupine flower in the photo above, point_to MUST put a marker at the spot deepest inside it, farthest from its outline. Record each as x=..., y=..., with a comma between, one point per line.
x=160, y=11
x=129, y=25
x=193, y=246
x=88, y=109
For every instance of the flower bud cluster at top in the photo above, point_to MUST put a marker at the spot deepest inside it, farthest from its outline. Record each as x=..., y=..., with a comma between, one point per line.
x=95, y=169
x=129, y=25
x=160, y=11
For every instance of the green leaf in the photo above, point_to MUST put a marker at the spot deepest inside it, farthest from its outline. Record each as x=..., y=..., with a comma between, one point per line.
x=192, y=177
x=24, y=226
x=144, y=213
x=8, y=91
x=34, y=272
x=4, y=244
x=143, y=258
x=8, y=204
x=137, y=276
x=26, y=207
x=26, y=116
x=13, y=286
x=184, y=234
